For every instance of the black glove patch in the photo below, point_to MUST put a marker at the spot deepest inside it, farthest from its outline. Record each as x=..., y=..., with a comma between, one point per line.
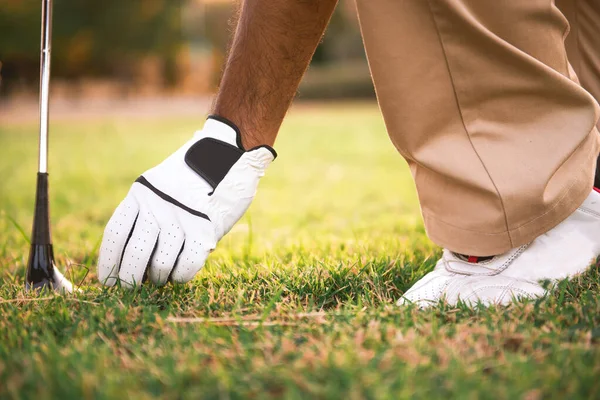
x=212, y=159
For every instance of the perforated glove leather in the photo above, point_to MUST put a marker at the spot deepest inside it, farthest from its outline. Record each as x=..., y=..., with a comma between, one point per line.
x=176, y=212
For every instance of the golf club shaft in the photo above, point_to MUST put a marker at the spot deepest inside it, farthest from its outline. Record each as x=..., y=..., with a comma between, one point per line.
x=45, y=52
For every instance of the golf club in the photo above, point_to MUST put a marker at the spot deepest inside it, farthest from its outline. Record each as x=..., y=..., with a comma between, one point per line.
x=41, y=269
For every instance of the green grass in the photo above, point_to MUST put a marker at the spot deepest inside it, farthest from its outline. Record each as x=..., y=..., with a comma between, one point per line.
x=297, y=301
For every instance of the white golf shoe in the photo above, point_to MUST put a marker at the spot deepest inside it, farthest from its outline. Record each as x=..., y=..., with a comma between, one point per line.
x=564, y=251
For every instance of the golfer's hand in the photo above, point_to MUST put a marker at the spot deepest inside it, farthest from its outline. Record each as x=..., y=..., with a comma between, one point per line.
x=176, y=212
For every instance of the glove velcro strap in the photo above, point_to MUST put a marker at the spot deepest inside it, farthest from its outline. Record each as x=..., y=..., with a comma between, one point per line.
x=212, y=159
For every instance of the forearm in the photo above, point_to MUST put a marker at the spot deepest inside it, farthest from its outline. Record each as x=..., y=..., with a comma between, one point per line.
x=272, y=47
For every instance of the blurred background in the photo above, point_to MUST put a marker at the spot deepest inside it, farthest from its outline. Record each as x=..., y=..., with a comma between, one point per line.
x=109, y=52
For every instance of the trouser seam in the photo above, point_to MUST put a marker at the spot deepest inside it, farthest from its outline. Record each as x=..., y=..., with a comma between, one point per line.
x=439, y=34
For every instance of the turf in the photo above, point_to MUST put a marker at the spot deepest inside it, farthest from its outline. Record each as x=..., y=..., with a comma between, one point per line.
x=297, y=301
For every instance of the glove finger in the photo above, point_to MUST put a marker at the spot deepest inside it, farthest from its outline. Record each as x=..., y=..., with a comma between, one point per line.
x=190, y=261
x=116, y=234
x=139, y=249
x=199, y=242
x=170, y=238
x=168, y=248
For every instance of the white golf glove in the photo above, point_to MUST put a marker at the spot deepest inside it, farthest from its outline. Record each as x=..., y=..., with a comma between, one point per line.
x=176, y=212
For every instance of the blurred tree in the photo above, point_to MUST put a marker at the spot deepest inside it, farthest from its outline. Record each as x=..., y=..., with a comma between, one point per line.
x=91, y=37
x=146, y=42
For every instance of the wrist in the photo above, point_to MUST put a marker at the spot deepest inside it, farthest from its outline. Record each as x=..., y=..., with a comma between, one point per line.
x=223, y=129
x=216, y=128
x=217, y=148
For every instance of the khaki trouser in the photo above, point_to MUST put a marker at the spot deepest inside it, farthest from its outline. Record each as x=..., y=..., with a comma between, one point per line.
x=480, y=99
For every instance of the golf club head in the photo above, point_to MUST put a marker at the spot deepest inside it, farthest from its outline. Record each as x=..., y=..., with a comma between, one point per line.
x=42, y=273
x=41, y=269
